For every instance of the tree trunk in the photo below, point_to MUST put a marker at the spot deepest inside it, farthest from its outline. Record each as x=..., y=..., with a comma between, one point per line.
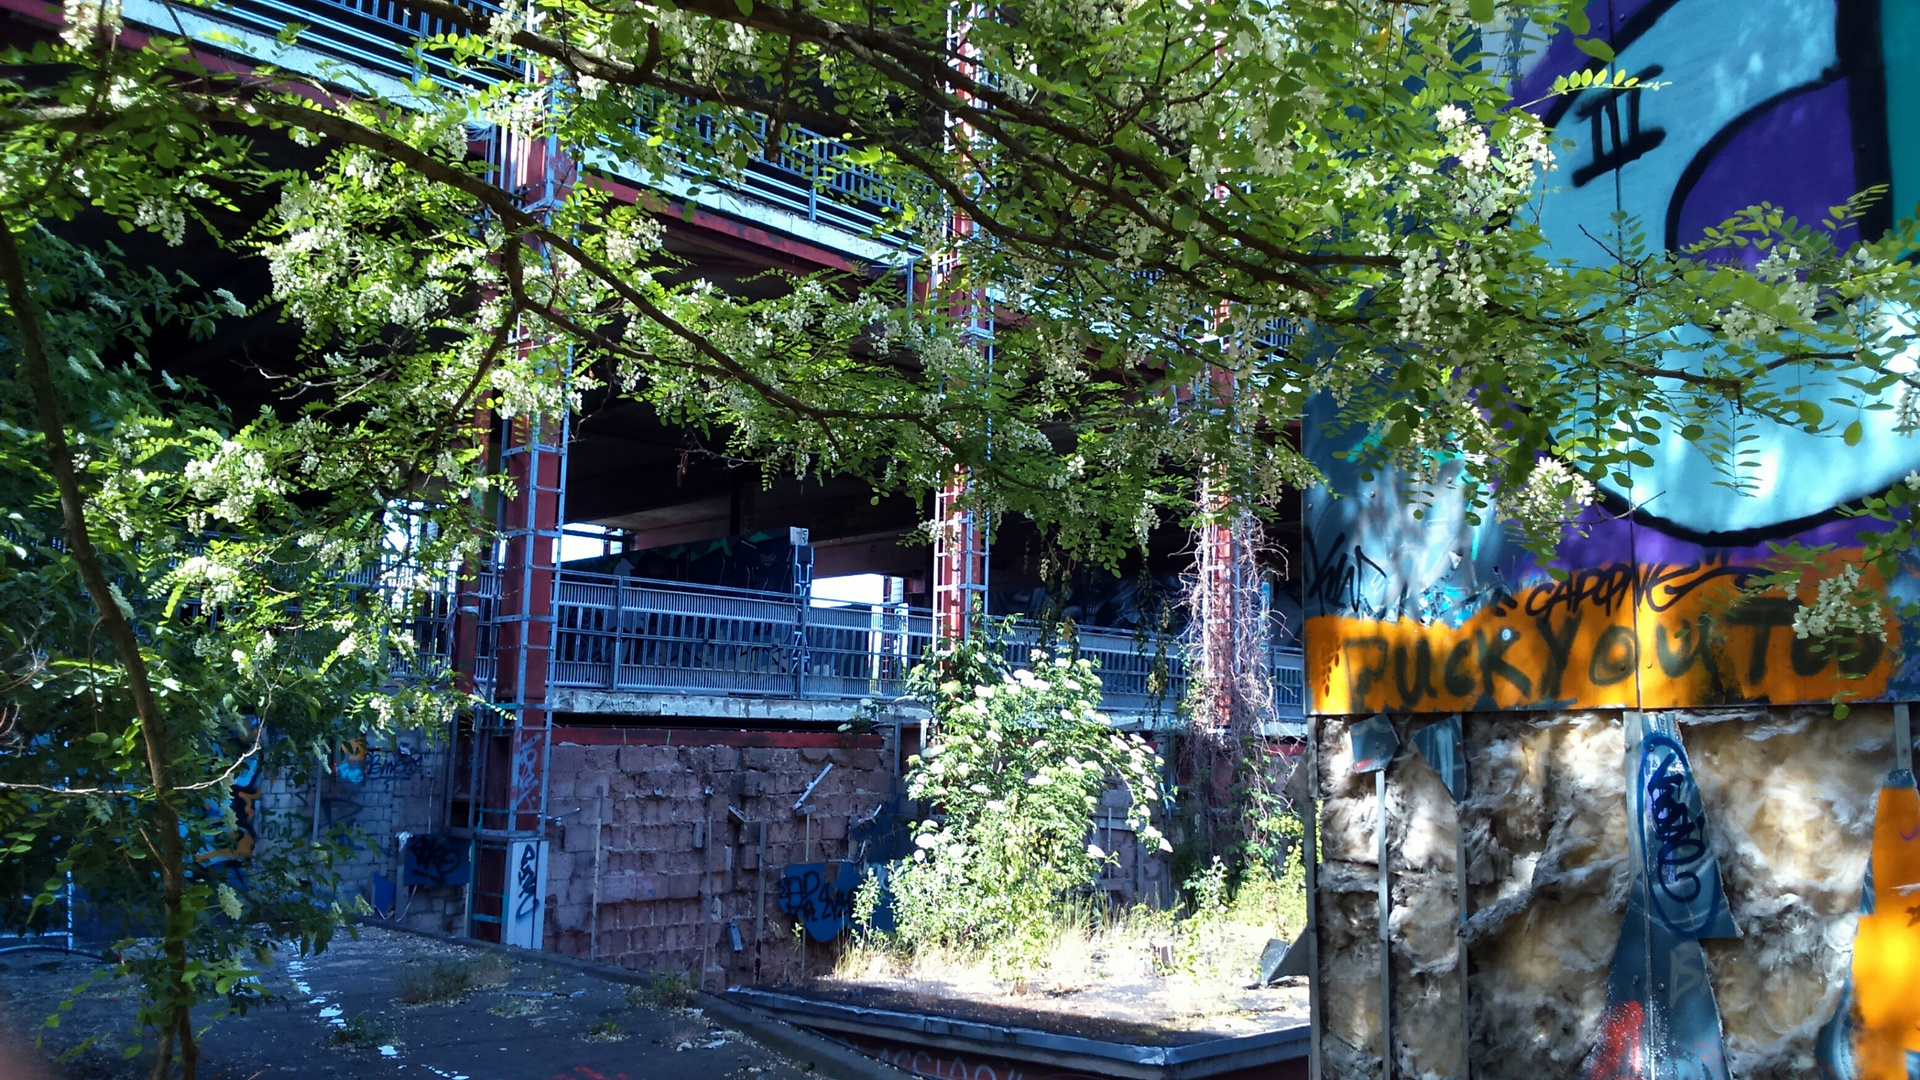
x=119, y=630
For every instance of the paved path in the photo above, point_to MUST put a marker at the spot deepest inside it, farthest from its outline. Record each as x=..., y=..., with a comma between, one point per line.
x=340, y=1015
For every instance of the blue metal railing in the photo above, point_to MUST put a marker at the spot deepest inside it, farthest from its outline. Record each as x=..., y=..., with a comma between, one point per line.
x=808, y=174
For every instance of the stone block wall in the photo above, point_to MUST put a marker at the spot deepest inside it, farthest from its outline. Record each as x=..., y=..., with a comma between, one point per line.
x=1788, y=795
x=682, y=835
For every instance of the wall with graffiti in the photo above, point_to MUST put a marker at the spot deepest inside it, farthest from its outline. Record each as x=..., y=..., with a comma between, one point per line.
x=1799, y=103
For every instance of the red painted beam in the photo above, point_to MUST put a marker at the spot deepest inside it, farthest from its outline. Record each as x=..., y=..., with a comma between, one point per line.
x=739, y=230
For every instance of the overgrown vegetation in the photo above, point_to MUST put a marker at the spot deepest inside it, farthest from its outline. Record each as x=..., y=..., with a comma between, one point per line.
x=663, y=990
x=1015, y=762
x=1004, y=873
x=445, y=981
x=184, y=584
x=361, y=1033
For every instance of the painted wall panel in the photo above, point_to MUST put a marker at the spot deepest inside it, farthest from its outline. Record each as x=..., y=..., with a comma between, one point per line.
x=1784, y=101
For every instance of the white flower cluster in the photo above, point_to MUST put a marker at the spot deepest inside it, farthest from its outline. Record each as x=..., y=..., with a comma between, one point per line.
x=1552, y=495
x=1423, y=272
x=1841, y=605
x=235, y=479
x=85, y=19
x=164, y=217
x=214, y=582
x=1741, y=324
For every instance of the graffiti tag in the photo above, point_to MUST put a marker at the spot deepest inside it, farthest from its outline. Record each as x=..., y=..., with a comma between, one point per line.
x=527, y=877
x=820, y=896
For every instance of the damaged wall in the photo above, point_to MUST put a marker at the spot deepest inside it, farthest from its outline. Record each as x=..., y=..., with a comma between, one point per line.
x=677, y=865
x=371, y=796
x=1788, y=794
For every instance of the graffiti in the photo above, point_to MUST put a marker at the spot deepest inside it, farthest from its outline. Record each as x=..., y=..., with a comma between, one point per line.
x=1657, y=635
x=527, y=881
x=1875, y=1029
x=350, y=762
x=242, y=803
x=527, y=749
x=388, y=765
x=1796, y=103
x=1612, y=147
x=524, y=906
x=1676, y=860
x=1680, y=838
x=944, y=1065
x=1413, y=603
x=820, y=896
x=434, y=862
x=1661, y=1021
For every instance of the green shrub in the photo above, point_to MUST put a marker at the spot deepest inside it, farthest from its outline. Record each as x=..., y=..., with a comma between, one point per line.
x=1014, y=766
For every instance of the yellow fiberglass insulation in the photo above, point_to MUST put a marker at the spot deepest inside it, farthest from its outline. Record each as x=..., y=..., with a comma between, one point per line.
x=1789, y=796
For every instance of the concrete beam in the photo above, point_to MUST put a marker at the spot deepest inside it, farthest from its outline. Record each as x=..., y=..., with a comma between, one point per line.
x=721, y=707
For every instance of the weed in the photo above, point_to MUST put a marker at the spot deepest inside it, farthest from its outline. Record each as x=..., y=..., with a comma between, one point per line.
x=488, y=970
x=607, y=1029
x=663, y=990
x=441, y=982
x=515, y=1007
x=361, y=1033
x=449, y=980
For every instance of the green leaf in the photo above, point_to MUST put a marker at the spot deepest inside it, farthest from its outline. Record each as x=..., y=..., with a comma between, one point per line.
x=1480, y=11
x=1595, y=48
x=1855, y=431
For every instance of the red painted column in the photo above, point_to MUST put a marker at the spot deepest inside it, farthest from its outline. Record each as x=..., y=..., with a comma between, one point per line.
x=959, y=562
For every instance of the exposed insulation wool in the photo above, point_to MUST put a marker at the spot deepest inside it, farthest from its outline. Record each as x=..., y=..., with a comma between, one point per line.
x=1790, y=801
x=1789, y=796
x=1548, y=804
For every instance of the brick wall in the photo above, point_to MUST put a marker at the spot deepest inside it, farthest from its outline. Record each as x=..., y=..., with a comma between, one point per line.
x=693, y=829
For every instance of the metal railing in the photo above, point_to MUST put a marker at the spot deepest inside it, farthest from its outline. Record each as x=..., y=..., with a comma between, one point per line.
x=808, y=173
x=645, y=636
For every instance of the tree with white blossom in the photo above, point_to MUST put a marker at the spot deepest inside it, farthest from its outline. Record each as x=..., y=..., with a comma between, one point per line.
x=1190, y=218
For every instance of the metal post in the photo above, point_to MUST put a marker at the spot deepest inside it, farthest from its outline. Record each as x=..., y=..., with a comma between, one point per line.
x=1310, y=870
x=802, y=566
x=619, y=630
x=1902, y=738
x=593, y=920
x=1386, y=935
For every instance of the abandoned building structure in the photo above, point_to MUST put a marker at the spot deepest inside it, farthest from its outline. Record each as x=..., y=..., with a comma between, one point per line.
x=697, y=671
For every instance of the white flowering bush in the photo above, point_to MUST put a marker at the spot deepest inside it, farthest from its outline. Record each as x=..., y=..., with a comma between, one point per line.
x=1016, y=762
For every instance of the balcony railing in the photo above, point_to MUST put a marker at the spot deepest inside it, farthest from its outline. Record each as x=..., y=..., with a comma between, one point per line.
x=644, y=636
x=808, y=174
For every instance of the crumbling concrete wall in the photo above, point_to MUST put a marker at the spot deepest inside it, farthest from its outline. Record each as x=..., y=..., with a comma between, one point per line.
x=1789, y=796
x=677, y=865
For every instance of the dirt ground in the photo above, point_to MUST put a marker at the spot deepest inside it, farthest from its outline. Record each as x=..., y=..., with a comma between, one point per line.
x=340, y=1014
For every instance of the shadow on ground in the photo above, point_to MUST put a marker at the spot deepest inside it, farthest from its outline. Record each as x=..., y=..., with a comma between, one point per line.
x=386, y=1004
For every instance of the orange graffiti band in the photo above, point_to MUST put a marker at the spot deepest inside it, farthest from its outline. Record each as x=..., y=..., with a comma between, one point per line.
x=1622, y=636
